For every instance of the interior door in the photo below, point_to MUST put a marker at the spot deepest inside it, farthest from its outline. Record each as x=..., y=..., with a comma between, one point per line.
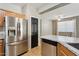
x=34, y=33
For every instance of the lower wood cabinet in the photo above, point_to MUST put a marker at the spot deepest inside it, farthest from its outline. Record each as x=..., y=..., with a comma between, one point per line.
x=1, y=48
x=63, y=51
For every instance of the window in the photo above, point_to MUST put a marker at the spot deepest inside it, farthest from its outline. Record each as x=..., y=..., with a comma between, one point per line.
x=66, y=26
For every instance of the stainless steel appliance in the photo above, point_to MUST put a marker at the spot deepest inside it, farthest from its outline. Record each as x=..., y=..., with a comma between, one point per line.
x=16, y=36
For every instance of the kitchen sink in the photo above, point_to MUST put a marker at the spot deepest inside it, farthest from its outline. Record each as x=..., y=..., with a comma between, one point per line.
x=75, y=45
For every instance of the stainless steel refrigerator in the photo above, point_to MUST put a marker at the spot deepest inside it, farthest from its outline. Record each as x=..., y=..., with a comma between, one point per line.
x=16, y=37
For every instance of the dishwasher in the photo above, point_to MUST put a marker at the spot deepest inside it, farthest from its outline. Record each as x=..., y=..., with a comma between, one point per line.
x=48, y=48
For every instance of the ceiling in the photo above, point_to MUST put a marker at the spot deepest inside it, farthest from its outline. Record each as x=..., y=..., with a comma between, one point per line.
x=41, y=7
x=38, y=5
x=19, y=4
x=35, y=5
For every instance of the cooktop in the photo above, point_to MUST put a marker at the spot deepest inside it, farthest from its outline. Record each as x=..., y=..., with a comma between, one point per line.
x=76, y=45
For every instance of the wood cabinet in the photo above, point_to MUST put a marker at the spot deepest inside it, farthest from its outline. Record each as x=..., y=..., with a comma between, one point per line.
x=1, y=21
x=2, y=14
x=7, y=13
x=1, y=47
x=63, y=51
x=10, y=13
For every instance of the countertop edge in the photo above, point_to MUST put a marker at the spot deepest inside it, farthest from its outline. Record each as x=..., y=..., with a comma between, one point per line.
x=65, y=44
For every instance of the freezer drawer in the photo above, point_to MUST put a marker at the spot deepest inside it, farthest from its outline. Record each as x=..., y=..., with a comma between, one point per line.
x=17, y=48
x=21, y=48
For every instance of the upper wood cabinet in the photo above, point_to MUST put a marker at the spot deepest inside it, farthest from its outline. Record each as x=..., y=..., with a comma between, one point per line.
x=7, y=13
x=2, y=14
x=15, y=14
x=1, y=21
x=10, y=13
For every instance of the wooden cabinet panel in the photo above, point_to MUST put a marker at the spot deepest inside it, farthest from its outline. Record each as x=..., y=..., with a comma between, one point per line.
x=15, y=15
x=1, y=21
x=2, y=14
x=1, y=47
x=1, y=50
x=10, y=13
x=63, y=51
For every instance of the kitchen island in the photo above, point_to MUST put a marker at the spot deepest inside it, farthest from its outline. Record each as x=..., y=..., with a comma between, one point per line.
x=63, y=40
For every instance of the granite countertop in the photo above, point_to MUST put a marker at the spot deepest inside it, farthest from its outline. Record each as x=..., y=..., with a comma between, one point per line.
x=64, y=40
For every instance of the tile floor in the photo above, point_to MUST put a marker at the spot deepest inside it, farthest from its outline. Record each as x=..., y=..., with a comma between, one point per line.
x=34, y=52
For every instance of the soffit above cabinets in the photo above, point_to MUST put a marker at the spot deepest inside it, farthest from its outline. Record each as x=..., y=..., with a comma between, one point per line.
x=47, y=6
x=55, y=6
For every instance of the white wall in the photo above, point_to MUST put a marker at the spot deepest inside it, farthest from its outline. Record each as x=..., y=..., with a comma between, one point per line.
x=46, y=27
x=10, y=7
x=31, y=11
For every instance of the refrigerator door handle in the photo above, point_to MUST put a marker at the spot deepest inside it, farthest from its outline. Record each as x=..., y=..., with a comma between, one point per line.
x=15, y=43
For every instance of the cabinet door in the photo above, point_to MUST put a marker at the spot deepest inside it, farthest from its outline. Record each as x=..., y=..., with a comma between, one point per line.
x=62, y=51
x=2, y=14
x=1, y=21
x=1, y=48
